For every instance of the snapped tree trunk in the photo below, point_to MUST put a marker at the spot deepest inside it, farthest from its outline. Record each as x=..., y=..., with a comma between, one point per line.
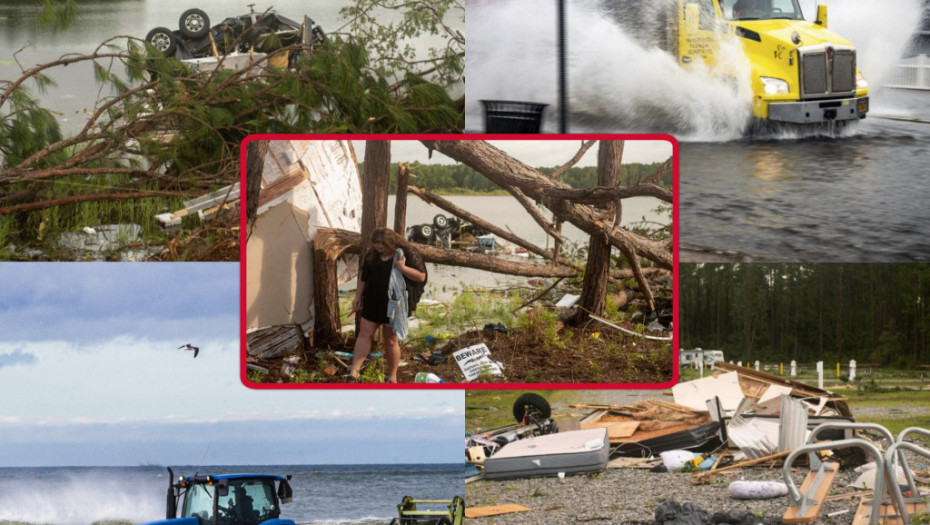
x=400, y=205
x=375, y=181
x=328, y=246
x=594, y=287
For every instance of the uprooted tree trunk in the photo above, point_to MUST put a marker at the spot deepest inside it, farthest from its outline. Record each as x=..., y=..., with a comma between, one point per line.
x=594, y=287
x=330, y=244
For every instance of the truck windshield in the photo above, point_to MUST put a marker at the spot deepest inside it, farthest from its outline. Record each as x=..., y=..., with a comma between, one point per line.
x=761, y=9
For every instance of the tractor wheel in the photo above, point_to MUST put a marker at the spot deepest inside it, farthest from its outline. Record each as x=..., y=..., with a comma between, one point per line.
x=194, y=24
x=440, y=222
x=163, y=39
x=531, y=408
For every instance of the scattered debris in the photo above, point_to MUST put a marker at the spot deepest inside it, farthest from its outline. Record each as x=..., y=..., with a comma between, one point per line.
x=290, y=366
x=204, y=207
x=101, y=241
x=494, y=510
x=567, y=301
x=274, y=341
x=569, y=452
x=757, y=489
x=475, y=361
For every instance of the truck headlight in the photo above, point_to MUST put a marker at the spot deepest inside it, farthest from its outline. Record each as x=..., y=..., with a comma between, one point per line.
x=860, y=81
x=775, y=86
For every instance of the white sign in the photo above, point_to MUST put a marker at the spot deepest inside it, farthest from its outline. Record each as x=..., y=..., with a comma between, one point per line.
x=476, y=360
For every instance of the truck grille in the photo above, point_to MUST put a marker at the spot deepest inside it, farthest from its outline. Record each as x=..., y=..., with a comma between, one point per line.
x=826, y=73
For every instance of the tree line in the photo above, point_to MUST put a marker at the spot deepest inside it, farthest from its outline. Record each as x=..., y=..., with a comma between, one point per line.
x=459, y=178
x=874, y=313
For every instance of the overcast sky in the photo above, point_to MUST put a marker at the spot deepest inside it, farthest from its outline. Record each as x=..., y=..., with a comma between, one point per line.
x=91, y=374
x=536, y=153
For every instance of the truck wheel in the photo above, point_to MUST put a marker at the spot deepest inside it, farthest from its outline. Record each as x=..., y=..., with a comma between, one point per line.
x=531, y=408
x=440, y=221
x=194, y=23
x=163, y=39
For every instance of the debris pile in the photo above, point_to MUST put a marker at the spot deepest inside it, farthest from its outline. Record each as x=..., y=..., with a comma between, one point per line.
x=743, y=421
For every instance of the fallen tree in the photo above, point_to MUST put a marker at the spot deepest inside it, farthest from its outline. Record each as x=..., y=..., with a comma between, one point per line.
x=509, y=172
x=330, y=244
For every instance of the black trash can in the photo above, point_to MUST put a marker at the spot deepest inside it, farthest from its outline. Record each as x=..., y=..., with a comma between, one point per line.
x=507, y=116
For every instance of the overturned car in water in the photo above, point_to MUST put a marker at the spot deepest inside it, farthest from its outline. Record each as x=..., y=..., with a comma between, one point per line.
x=265, y=32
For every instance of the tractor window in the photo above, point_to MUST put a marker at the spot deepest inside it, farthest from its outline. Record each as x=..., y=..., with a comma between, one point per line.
x=198, y=503
x=248, y=503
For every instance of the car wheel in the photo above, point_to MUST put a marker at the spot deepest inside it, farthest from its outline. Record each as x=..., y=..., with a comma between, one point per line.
x=425, y=231
x=194, y=23
x=531, y=408
x=163, y=39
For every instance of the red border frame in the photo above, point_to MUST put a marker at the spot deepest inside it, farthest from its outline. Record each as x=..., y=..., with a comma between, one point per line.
x=459, y=386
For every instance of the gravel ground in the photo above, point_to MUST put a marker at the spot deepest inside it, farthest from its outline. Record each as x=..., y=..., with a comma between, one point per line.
x=630, y=495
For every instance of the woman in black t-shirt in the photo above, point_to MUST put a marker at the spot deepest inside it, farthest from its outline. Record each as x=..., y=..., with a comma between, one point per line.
x=371, y=297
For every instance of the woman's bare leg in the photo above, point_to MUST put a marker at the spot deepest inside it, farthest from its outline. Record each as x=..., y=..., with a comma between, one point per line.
x=362, y=345
x=391, y=352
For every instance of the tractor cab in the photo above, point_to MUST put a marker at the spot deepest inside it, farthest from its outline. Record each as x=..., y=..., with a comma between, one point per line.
x=227, y=499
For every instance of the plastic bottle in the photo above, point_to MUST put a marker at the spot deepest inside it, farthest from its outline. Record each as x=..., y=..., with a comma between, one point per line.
x=427, y=377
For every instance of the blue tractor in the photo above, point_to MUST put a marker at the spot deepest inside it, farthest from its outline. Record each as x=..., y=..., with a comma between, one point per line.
x=226, y=499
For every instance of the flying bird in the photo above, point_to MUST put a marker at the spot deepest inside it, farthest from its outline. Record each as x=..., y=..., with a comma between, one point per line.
x=189, y=347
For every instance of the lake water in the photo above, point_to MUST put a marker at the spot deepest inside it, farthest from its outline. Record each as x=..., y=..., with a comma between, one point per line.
x=505, y=212
x=323, y=494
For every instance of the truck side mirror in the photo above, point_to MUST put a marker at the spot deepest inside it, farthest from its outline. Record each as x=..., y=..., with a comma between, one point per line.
x=821, y=16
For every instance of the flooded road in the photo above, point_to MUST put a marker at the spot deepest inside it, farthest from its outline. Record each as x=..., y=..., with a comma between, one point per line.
x=861, y=196
x=858, y=195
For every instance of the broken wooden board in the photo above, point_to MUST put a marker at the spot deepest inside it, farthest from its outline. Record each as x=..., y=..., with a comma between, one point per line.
x=793, y=514
x=274, y=341
x=615, y=429
x=695, y=393
x=633, y=463
x=494, y=510
x=889, y=516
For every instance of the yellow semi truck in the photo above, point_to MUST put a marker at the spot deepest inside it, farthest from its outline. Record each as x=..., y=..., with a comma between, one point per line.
x=802, y=73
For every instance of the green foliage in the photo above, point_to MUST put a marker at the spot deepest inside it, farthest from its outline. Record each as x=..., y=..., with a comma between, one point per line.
x=544, y=324
x=26, y=128
x=57, y=15
x=184, y=129
x=389, y=28
x=873, y=313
